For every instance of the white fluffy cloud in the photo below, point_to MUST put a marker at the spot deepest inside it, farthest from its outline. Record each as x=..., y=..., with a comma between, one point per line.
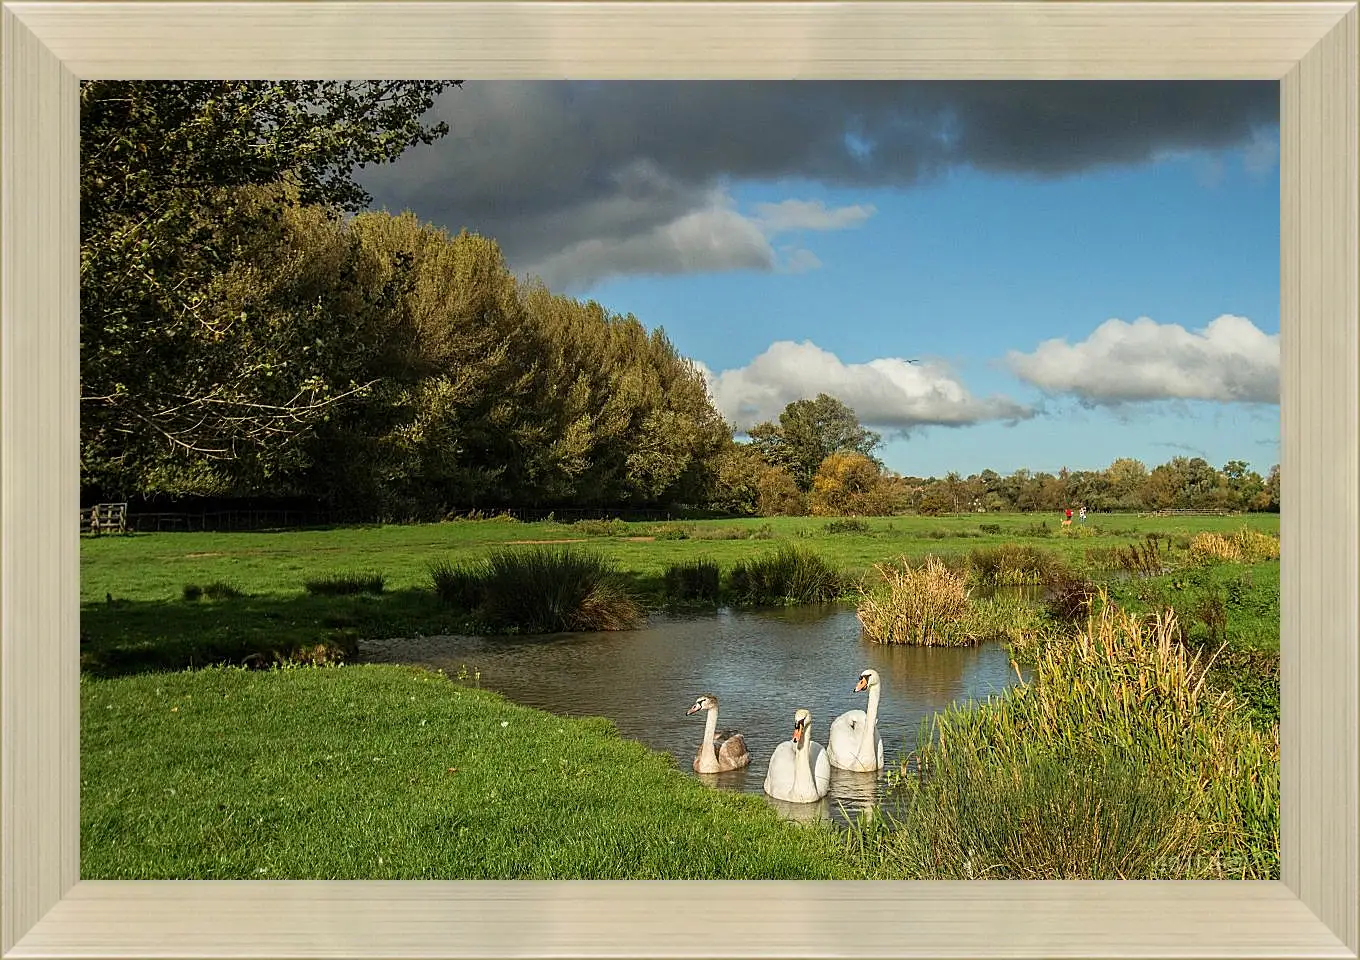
x=888, y=392
x=713, y=238
x=1231, y=361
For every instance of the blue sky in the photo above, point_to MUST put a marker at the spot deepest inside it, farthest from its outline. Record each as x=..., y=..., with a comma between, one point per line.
x=963, y=258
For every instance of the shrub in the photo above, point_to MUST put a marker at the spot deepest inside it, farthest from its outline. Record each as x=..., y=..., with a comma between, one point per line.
x=789, y=575
x=990, y=528
x=192, y=592
x=1041, y=529
x=1071, y=600
x=695, y=581
x=343, y=584
x=459, y=585
x=927, y=605
x=847, y=525
x=550, y=591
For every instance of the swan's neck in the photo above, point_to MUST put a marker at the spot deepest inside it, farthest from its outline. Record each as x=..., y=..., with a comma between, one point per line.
x=803, y=754
x=710, y=727
x=870, y=715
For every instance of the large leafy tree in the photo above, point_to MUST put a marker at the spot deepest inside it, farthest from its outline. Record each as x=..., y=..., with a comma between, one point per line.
x=162, y=167
x=808, y=432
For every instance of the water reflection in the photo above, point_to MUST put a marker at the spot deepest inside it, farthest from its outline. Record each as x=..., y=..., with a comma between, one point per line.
x=762, y=666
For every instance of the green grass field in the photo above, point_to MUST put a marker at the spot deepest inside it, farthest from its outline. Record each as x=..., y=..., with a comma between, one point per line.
x=367, y=771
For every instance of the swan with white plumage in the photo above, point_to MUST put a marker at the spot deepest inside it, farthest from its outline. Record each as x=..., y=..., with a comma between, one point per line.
x=799, y=770
x=853, y=742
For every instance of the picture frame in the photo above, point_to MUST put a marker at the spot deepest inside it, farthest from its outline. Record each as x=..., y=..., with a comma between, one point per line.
x=47, y=47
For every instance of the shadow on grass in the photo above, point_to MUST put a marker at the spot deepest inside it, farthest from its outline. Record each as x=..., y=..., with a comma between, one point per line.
x=127, y=636
x=119, y=637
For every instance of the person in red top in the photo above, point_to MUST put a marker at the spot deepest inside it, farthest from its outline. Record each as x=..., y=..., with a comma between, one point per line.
x=1069, y=514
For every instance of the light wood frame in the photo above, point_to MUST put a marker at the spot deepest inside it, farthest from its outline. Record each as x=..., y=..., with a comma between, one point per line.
x=45, y=48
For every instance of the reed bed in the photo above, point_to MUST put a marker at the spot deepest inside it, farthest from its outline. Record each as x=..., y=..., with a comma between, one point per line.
x=1120, y=690
x=927, y=605
x=1244, y=546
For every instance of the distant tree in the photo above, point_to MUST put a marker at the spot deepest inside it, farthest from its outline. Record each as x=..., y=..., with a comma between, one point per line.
x=850, y=484
x=779, y=494
x=736, y=489
x=1269, y=497
x=808, y=432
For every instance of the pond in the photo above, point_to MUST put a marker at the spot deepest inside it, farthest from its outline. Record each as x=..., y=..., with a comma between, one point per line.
x=762, y=665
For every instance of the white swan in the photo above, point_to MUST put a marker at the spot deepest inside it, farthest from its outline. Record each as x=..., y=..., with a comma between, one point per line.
x=799, y=770
x=853, y=742
x=718, y=751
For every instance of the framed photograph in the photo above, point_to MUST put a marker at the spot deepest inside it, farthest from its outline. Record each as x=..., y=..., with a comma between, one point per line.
x=48, y=50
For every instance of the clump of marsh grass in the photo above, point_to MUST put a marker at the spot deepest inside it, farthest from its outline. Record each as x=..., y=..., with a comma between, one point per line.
x=847, y=525
x=790, y=575
x=1207, y=548
x=550, y=591
x=345, y=584
x=1014, y=621
x=1244, y=546
x=1254, y=546
x=1121, y=686
x=927, y=605
x=763, y=532
x=601, y=528
x=1090, y=816
x=1014, y=564
x=218, y=590
x=694, y=581
x=460, y=584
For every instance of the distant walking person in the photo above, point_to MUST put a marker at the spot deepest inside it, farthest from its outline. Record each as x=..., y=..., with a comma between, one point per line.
x=1067, y=518
x=1082, y=513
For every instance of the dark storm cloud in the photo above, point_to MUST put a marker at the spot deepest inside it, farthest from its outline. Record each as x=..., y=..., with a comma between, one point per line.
x=580, y=181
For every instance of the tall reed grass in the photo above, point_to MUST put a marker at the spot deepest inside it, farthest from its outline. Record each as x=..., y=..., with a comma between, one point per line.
x=1122, y=690
x=541, y=590
x=694, y=581
x=1014, y=564
x=790, y=575
x=1244, y=546
x=926, y=605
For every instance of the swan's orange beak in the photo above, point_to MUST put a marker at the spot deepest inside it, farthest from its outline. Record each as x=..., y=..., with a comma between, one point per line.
x=862, y=685
x=797, y=732
x=692, y=709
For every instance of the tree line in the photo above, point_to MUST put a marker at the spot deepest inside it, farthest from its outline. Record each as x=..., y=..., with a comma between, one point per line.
x=249, y=331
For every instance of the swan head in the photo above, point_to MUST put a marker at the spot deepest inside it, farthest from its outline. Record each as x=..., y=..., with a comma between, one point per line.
x=801, y=721
x=867, y=679
x=705, y=701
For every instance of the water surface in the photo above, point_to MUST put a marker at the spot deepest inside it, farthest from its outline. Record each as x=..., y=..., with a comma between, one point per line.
x=762, y=665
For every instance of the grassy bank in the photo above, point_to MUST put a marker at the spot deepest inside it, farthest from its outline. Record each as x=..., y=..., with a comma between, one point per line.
x=365, y=771
x=387, y=773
